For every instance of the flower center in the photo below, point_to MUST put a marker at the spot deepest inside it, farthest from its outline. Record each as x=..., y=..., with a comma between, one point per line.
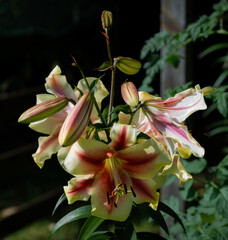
x=109, y=154
x=119, y=191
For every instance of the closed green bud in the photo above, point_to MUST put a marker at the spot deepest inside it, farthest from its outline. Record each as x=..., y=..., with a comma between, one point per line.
x=127, y=65
x=43, y=110
x=106, y=19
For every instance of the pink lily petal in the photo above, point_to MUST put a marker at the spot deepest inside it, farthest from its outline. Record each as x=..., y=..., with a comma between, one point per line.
x=145, y=191
x=86, y=156
x=47, y=146
x=58, y=85
x=143, y=160
x=122, y=136
x=103, y=204
x=78, y=189
x=181, y=109
x=170, y=129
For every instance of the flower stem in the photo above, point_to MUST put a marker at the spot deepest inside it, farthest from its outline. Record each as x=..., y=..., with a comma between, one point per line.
x=112, y=93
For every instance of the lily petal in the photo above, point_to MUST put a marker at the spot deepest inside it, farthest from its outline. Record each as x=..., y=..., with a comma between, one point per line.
x=110, y=207
x=170, y=129
x=143, y=160
x=47, y=146
x=122, y=136
x=57, y=84
x=145, y=191
x=79, y=188
x=177, y=169
x=86, y=156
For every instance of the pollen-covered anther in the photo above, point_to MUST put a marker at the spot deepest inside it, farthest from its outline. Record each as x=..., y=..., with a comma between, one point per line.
x=109, y=154
x=107, y=197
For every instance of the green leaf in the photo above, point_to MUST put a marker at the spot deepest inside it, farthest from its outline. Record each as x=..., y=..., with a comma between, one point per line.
x=124, y=230
x=159, y=219
x=188, y=193
x=195, y=166
x=173, y=59
x=166, y=209
x=213, y=48
x=221, y=78
x=148, y=235
x=61, y=199
x=101, y=235
x=89, y=227
x=79, y=213
x=104, y=66
x=122, y=108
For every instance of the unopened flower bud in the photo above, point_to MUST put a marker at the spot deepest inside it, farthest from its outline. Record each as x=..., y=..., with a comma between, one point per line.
x=76, y=122
x=130, y=93
x=127, y=65
x=106, y=19
x=43, y=110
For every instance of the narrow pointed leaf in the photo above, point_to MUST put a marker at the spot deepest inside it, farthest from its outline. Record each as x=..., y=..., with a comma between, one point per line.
x=61, y=199
x=159, y=219
x=166, y=209
x=124, y=230
x=101, y=235
x=89, y=227
x=79, y=213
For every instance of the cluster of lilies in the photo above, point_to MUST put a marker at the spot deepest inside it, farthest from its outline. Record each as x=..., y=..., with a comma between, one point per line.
x=115, y=161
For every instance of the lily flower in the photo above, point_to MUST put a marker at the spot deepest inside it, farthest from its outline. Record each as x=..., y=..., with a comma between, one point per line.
x=114, y=175
x=162, y=119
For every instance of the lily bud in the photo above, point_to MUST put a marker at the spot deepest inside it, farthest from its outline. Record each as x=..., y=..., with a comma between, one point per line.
x=127, y=65
x=106, y=19
x=76, y=122
x=43, y=110
x=130, y=93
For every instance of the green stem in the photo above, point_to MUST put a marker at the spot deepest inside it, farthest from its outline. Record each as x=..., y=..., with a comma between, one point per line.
x=112, y=93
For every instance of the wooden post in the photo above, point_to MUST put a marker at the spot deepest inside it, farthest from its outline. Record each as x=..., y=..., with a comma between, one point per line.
x=173, y=19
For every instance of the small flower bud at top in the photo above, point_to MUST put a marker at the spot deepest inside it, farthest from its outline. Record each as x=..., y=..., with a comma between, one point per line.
x=106, y=19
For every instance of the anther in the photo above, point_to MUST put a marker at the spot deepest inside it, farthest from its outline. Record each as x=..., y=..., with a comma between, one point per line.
x=115, y=204
x=125, y=188
x=107, y=196
x=133, y=192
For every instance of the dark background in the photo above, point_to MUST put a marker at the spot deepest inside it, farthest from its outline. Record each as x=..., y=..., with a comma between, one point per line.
x=37, y=35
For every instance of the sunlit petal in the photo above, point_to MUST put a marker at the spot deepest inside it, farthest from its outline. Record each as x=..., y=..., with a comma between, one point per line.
x=143, y=160
x=86, y=156
x=47, y=146
x=79, y=188
x=122, y=136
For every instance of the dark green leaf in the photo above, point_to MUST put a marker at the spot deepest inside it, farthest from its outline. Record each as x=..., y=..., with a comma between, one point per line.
x=173, y=59
x=104, y=66
x=122, y=108
x=148, y=235
x=166, y=209
x=159, y=219
x=101, y=235
x=124, y=230
x=79, y=213
x=89, y=227
x=61, y=199
x=213, y=48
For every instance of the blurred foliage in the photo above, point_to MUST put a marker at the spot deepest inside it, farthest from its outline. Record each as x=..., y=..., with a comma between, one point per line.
x=206, y=195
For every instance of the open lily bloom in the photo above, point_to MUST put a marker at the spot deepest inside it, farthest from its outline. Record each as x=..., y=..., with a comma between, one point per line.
x=161, y=119
x=114, y=175
x=57, y=86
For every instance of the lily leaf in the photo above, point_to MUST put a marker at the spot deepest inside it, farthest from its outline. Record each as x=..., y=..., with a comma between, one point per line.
x=101, y=235
x=79, y=213
x=166, y=209
x=61, y=199
x=89, y=227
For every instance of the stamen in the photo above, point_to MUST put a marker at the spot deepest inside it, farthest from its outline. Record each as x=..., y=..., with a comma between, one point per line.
x=125, y=188
x=115, y=204
x=107, y=196
x=133, y=192
x=109, y=154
